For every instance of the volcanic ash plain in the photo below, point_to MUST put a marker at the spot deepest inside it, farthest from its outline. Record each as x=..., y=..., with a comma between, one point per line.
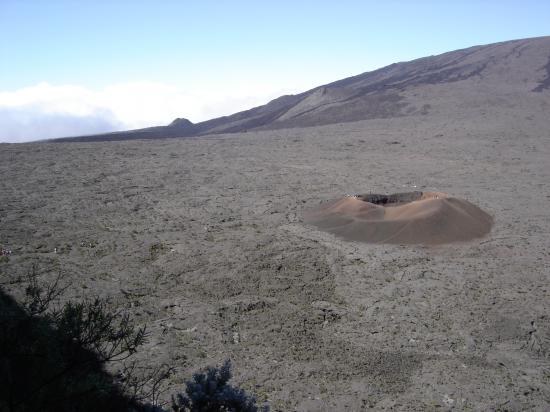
x=203, y=241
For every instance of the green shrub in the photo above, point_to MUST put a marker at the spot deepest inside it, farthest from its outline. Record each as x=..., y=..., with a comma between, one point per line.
x=211, y=392
x=54, y=359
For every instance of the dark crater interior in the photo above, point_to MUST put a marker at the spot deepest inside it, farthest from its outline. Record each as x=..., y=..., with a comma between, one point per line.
x=391, y=200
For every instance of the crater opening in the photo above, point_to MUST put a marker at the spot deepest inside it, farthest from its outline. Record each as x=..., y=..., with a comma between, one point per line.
x=390, y=200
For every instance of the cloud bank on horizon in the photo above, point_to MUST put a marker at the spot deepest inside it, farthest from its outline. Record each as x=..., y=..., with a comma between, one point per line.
x=46, y=111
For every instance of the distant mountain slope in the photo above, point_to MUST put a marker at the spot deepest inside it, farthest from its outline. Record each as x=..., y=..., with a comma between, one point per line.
x=502, y=70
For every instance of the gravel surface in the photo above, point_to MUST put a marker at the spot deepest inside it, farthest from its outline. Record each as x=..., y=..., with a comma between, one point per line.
x=202, y=241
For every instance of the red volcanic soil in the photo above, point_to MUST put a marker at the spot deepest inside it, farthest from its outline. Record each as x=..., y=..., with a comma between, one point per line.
x=405, y=218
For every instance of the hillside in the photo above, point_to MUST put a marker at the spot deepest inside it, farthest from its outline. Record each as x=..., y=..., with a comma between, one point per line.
x=495, y=74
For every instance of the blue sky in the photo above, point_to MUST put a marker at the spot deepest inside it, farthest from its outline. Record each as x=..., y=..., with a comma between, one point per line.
x=139, y=63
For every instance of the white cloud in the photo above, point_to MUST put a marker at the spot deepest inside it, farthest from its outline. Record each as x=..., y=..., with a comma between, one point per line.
x=22, y=124
x=45, y=111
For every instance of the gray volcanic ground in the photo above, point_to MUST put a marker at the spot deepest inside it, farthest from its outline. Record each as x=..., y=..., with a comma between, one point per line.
x=202, y=240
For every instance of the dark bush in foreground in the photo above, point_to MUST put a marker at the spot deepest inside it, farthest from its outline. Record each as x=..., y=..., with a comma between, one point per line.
x=53, y=359
x=210, y=392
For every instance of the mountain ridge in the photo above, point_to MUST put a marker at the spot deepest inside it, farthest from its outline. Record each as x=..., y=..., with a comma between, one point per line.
x=515, y=66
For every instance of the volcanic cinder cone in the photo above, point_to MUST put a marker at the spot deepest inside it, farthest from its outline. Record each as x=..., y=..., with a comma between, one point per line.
x=429, y=218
